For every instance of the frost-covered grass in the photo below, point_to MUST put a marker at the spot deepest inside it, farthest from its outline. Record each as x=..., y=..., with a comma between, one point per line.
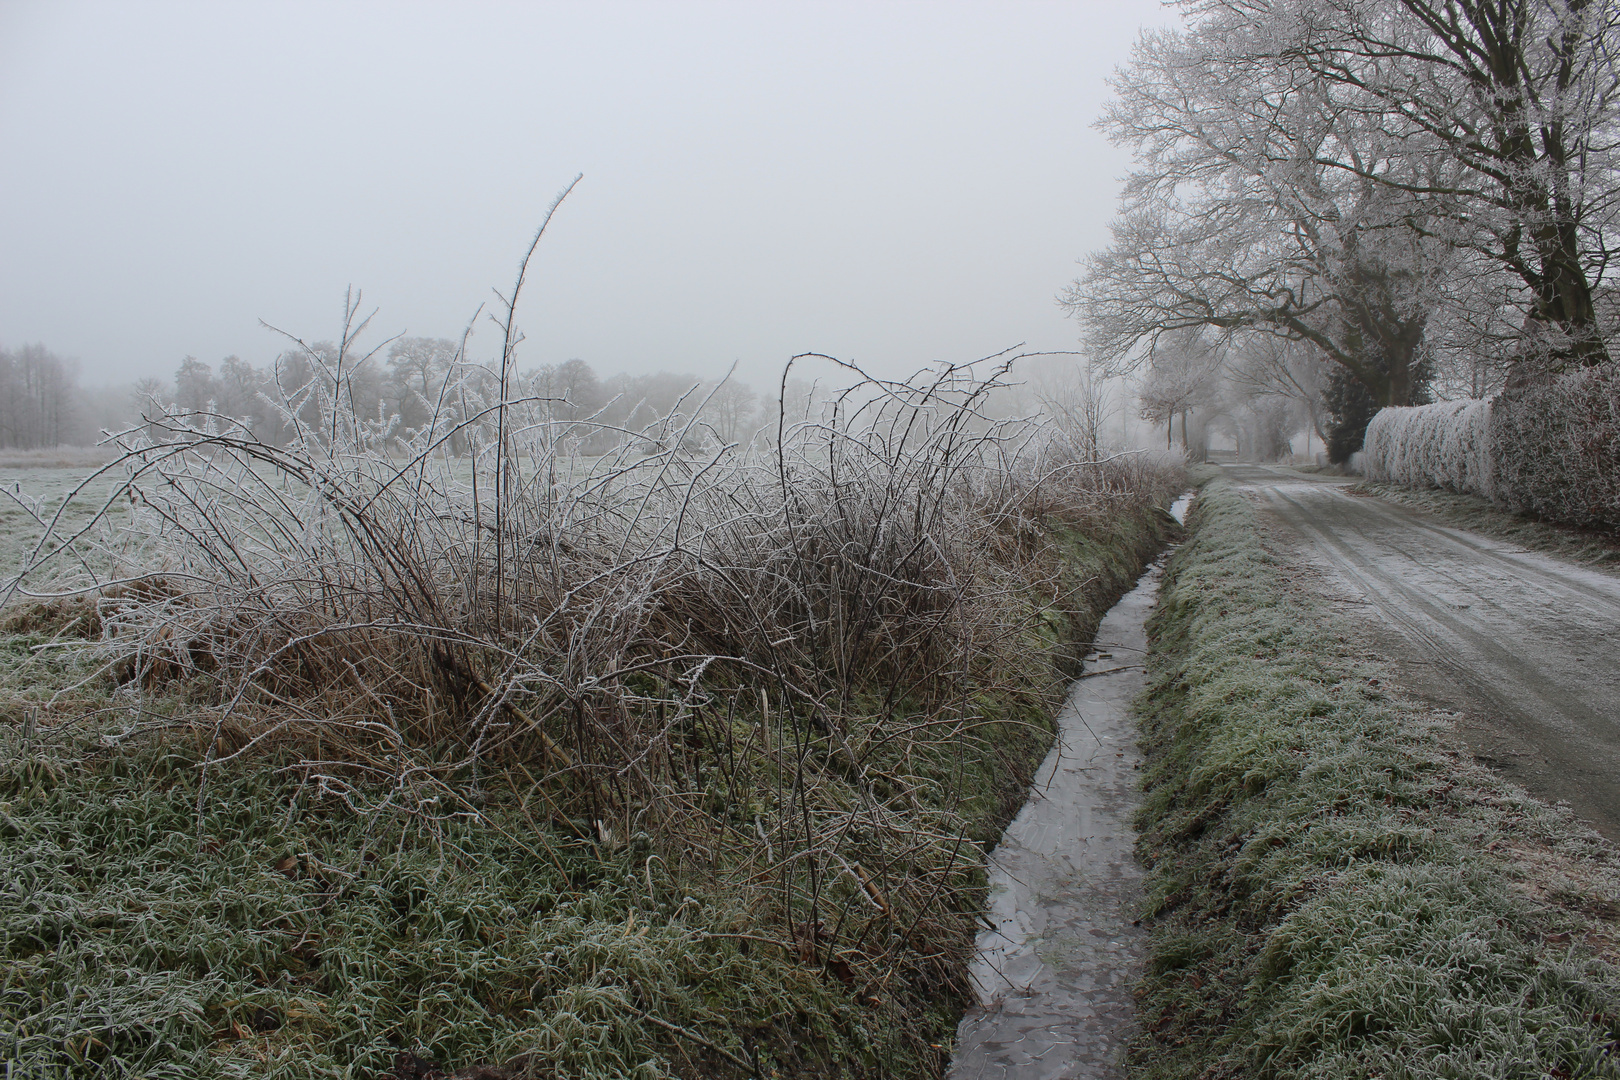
x=279, y=933
x=268, y=936
x=1591, y=546
x=57, y=457
x=1334, y=891
x=29, y=498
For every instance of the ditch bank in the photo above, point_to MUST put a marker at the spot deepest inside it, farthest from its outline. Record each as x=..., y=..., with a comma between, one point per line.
x=505, y=941
x=1332, y=888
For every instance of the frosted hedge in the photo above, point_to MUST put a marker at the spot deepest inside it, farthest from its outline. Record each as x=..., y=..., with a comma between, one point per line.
x=1551, y=448
x=1556, y=446
x=1444, y=445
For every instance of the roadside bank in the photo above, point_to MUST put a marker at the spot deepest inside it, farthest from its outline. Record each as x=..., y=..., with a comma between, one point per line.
x=1333, y=889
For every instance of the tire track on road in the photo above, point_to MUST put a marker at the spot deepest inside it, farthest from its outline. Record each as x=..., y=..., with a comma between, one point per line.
x=1534, y=640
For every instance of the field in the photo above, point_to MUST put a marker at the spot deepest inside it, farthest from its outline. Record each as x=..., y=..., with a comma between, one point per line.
x=29, y=494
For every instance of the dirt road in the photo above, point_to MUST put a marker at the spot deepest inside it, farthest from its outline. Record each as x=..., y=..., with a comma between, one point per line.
x=1525, y=646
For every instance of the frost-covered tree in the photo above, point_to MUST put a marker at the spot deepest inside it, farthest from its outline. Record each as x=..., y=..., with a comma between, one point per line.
x=733, y=411
x=417, y=371
x=1509, y=110
x=38, y=398
x=1183, y=374
x=1520, y=97
x=1078, y=404
x=1236, y=217
x=1266, y=366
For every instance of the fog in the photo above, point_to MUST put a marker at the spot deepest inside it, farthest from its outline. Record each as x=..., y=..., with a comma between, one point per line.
x=893, y=183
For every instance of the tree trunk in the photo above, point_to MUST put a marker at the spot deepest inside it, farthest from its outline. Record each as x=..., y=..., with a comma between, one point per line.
x=1536, y=178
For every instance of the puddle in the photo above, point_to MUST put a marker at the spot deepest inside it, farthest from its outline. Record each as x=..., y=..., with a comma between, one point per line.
x=1056, y=966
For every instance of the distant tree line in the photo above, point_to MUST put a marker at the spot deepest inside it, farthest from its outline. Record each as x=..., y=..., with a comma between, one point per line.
x=401, y=389
x=38, y=399
x=420, y=378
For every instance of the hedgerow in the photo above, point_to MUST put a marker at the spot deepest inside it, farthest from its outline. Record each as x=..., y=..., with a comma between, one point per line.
x=1443, y=445
x=1556, y=446
x=1550, y=448
x=678, y=761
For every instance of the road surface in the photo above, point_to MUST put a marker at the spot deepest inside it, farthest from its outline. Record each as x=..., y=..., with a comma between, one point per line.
x=1524, y=645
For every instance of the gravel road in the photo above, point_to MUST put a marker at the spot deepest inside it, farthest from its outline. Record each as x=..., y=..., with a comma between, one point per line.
x=1525, y=646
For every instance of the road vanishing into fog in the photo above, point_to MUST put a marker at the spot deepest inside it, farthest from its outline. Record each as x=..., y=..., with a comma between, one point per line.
x=1524, y=645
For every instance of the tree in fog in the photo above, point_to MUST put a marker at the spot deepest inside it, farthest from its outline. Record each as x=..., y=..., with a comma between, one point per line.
x=239, y=390
x=639, y=400
x=1078, y=404
x=571, y=389
x=38, y=398
x=801, y=401
x=1265, y=366
x=733, y=410
x=1183, y=375
x=1260, y=424
x=417, y=370
x=1521, y=96
x=1238, y=217
x=194, y=385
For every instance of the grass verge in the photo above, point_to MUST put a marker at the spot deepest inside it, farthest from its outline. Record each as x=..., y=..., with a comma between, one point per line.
x=1590, y=546
x=281, y=928
x=1334, y=890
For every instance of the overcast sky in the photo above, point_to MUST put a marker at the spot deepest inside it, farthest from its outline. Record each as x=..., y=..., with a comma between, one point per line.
x=890, y=182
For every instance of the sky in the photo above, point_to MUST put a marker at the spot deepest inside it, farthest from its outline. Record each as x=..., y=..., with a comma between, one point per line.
x=891, y=183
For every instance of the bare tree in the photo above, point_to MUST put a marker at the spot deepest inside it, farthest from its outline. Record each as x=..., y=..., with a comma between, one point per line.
x=1237, y=218
x=643, y=399
x=418, y=368
x=732, y=409
x=1523, y=96
x=240, y=389
x=1079, y=405
x=572, y=388
x=1263, y=365
x=1183, y=374
x=194, y=389
x=38, y=398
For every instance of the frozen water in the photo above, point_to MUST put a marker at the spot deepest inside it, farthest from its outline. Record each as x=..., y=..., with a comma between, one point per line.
x=1056, y=968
